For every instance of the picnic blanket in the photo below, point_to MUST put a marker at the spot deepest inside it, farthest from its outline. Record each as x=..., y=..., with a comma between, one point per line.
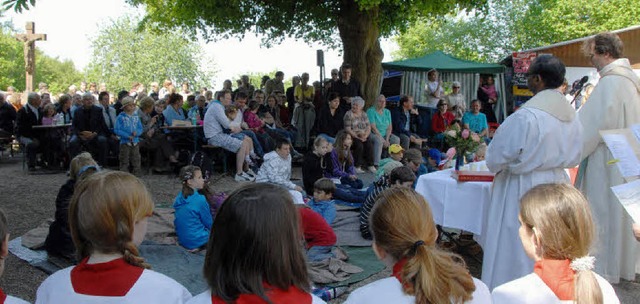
x=347, y=227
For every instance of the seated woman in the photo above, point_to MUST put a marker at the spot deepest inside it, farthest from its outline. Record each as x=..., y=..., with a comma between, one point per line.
x=557, y=231
x=441, y=120
x=330, y=119
x=152, y=138
x=476, y=121
x=58, y=241
x=356, y=124
x=404, y=237
x=381, y=128
x=64, y=107
x=256, y=216
x=172, y=112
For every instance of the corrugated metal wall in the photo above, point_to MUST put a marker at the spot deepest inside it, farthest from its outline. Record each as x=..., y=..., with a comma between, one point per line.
x=413, y=83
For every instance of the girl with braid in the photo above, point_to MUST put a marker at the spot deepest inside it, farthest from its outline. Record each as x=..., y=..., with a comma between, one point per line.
x=404, y=237
x=108, y=220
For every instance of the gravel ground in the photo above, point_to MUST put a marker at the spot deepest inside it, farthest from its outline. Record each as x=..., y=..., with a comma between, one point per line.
x=28, y=200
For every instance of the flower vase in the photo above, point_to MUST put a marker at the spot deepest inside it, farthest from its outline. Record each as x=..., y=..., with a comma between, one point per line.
x=459, y=160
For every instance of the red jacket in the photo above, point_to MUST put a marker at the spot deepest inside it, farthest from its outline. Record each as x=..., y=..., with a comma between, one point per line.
x=440, y=122
x=315, y=229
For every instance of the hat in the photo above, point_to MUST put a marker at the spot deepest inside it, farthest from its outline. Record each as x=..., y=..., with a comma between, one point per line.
x=390, y=166
x=395, y=148
x=456, y=84
x=435, y=155
x=127, y=101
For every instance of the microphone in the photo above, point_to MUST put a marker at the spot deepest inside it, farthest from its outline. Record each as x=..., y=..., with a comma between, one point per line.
x=577, y=85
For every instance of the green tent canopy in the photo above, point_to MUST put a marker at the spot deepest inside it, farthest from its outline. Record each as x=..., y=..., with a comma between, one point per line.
x=443, y=63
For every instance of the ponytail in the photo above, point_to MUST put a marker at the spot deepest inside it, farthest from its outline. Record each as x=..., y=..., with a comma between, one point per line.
x=131, y=255
x=587, y=289
x=436, y=276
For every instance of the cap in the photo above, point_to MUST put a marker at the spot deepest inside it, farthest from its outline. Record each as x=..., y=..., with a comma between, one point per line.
x=435, y=155
x=395, y=148
x=456, y=84
x=127, y=101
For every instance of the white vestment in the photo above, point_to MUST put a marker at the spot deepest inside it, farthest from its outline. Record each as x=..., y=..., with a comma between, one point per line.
x=530, y=289
x=613, y=104
x=531, y=147
x=151, y=287
x=389, y=290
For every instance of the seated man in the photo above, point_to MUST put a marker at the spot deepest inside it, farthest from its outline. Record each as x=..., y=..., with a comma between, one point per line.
x=401, y=176
x=403, y=118
x=29, y=116
x=89, y=129
x=7, y=118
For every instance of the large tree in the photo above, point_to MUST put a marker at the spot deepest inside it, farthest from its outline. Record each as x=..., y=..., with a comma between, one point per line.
x=359, y=24
x=123, y=55
x=512, y=25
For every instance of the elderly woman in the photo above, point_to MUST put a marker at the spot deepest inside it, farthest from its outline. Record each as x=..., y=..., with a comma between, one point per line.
x=153, y=138
x=356, y=123
x=456, y=101
x=381, y=128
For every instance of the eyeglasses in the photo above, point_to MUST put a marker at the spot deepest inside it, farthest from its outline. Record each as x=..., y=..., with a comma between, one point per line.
x=334, y=74
x=456, y=87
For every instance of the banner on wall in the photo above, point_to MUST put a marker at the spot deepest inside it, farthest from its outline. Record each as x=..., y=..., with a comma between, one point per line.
x=521, y=63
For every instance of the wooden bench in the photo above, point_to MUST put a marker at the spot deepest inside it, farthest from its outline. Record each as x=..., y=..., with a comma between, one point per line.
x=214, y=151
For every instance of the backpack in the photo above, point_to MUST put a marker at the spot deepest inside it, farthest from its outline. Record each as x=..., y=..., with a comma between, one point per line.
x=205, y=163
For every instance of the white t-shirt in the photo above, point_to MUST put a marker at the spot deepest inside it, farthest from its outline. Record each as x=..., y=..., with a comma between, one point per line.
x=389, y=290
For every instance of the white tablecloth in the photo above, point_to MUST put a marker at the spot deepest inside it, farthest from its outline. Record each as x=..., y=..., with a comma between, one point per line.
x=456, y=205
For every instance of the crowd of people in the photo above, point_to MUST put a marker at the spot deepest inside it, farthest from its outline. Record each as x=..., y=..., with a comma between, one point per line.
x=548, y=226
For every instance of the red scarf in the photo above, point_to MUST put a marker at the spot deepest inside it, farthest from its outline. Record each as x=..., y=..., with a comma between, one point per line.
x=275, y=295
x=558, y=275
x=110, y=279
x=3, y=296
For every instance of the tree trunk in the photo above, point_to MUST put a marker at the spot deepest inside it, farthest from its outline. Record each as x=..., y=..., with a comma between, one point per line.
x=360, y=33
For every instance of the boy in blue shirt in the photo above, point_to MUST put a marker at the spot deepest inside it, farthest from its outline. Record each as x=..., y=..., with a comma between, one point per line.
x=322, y=201
x=128, y=127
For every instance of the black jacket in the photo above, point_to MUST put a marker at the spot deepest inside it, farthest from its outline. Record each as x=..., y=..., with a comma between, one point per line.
x=399, y=120
x=58, y=241
x=312, y=169
x=327, y=124
x=7, y=117
x=25, y=120
x=96, y=122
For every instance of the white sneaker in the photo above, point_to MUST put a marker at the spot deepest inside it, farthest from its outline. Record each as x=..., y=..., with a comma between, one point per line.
x=372, y=169
x=359, y=171
x=244, y=177
x=251, y=173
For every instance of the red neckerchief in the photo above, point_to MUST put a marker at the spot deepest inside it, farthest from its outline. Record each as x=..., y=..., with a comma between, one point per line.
x=110, y=279
x=3, y=296
x=397, y=269
x=275, y=295
x=558, y=275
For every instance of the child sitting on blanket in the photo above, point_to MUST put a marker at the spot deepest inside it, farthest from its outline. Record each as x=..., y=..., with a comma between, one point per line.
x=556, y=230
x=254, y=244
x=108, y=221
x=404, y=237
x=342, y=162
x=322, y=201
x=319, y=237
x=276, y=168
x=396, y=152
x=193, y=216
x=4, y=252
x=58, y=241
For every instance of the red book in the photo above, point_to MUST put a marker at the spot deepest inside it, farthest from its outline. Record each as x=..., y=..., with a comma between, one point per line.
x=473, y=176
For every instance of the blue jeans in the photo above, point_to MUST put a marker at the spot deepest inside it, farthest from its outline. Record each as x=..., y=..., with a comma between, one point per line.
x=325, y=208
x=257, y=147
x=348, y=194
x=319, y=253
x=355, y=184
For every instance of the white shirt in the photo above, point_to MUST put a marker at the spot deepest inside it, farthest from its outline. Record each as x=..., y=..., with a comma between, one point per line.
x=530, y=289
x=389, y=290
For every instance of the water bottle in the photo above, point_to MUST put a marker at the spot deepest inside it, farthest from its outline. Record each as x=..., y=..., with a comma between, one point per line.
x=60, y=119
x=194, y=120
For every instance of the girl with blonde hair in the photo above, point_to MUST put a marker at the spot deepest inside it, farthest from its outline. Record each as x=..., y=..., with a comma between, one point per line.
x=556, y=230
x=108, y=220
x=404, y=237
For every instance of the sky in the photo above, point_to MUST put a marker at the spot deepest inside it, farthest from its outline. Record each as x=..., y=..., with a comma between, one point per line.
x=71, y=24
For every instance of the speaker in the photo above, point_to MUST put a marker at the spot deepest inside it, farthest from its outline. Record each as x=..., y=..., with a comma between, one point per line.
x=320, y=58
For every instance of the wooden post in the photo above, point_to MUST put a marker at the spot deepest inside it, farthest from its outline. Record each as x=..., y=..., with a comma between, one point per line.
x=29, y=39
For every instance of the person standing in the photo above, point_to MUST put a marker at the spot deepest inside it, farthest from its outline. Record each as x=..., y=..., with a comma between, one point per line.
x=613, y=104
x=28, y=116
x=346, y=87
x=531, y=147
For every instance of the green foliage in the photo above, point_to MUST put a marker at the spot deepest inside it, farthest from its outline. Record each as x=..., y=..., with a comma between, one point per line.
x=57, y=74
x=505, y=26
x=18, y=5
x=255, y=78
x=123, y=55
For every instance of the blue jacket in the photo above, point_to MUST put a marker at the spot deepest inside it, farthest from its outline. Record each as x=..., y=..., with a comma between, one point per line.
x=126, y=125
x=193, y=220
x=399, y=120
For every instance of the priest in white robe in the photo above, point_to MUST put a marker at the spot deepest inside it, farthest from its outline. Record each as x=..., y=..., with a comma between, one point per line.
x=532, y=146
x=613, y=104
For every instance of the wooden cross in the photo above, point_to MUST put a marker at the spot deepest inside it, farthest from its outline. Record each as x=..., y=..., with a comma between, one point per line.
x=29, y=39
